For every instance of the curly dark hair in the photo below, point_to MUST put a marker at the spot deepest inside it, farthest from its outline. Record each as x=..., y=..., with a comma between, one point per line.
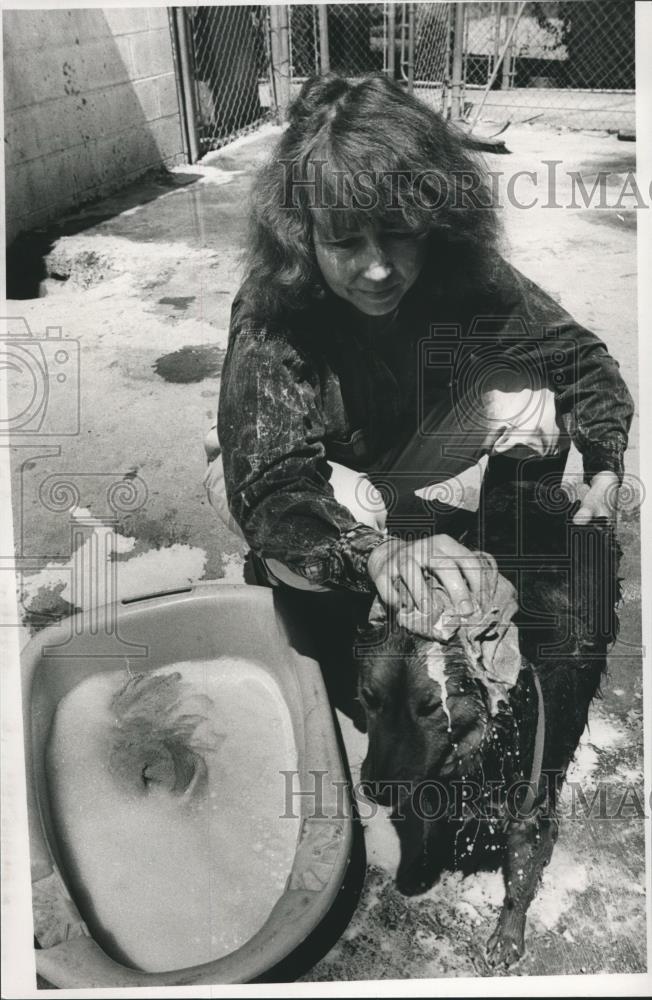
x=372, y=149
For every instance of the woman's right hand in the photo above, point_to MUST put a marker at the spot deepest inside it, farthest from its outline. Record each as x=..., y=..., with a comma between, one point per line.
x=400, y=572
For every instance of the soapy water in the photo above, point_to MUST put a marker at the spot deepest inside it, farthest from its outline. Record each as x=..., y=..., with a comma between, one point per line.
x=167, y=800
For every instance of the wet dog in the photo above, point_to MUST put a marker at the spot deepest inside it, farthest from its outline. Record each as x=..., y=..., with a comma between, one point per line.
x=456, y=773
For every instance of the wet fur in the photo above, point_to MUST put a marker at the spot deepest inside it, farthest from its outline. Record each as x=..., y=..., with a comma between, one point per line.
x=564, y=575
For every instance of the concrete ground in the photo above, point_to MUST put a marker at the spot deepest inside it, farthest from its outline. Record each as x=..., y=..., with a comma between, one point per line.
x=574, y=109
x=143, y=284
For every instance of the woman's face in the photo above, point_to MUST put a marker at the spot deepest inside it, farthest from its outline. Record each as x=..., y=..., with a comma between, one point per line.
x=370, y=268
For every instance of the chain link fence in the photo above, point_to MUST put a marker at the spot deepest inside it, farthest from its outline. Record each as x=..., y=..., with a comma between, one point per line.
x=355, y=38
x=230, y=61
x=304, y=41
x=568, y=63
x=346, y=38
x=434, y=26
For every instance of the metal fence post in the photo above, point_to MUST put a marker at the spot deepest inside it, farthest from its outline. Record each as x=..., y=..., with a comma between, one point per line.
x=507, y=48
x=391, y=40
x=410, y=48
x=324, y=49
x=280, y=52
x=507, y=58
x=458, y=58
x=497, y=23
x=315, y=38
x=186, y=84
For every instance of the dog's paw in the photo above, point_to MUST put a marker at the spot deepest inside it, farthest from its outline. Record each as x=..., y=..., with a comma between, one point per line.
x=506, y=945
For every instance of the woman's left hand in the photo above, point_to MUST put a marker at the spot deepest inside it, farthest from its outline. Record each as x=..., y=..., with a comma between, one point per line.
x=601, y=499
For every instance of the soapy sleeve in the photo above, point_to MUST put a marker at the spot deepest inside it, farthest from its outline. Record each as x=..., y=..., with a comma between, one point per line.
x=271, y=431
x=591, y=396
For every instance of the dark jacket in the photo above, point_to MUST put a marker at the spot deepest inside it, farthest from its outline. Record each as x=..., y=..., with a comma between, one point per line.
x=297, y=393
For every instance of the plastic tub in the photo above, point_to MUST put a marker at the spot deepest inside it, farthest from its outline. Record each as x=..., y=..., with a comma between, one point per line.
x=209, y=620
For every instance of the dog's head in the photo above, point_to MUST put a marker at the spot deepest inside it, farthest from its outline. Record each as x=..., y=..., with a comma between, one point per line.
x=426, y=715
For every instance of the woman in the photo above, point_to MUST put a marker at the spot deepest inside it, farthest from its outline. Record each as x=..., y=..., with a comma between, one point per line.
x=380, y=338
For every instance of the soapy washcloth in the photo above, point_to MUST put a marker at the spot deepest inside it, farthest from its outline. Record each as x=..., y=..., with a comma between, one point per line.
x=487, y=633
x=161, y=735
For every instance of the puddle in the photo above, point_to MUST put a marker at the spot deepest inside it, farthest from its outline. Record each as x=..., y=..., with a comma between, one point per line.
x=180, y=302
x=47, y=607
x=190, y=364
x=609, y=217
x=614, y=166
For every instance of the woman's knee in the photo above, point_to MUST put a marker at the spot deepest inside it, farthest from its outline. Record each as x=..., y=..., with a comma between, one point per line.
x=524, y=423
x=358, y=494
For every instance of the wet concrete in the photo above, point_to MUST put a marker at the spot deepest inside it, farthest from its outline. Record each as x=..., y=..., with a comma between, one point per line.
x=169, y=265
x=28, y=258
x=615, y=167
x=206, y=215
x=616, y=220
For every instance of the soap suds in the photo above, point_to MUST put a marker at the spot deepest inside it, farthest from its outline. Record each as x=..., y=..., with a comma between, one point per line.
x=169, y=877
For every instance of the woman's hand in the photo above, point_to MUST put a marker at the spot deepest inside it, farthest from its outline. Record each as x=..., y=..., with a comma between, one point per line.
x=601, y=499
x=399, y=570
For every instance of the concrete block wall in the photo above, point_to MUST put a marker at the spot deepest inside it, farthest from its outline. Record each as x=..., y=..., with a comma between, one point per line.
x=90, y=104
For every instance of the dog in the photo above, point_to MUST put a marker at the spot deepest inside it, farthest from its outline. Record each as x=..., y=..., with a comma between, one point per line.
x=470, y=787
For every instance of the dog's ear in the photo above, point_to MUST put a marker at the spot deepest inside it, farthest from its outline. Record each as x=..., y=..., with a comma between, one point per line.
x=380, y=626
x=374, y=627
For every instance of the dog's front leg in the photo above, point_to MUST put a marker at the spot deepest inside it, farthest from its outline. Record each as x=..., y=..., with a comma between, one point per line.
x=529, y=848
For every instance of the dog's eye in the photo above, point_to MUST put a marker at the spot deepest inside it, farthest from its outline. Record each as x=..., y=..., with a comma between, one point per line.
x=371, y=700
x=428, y=707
